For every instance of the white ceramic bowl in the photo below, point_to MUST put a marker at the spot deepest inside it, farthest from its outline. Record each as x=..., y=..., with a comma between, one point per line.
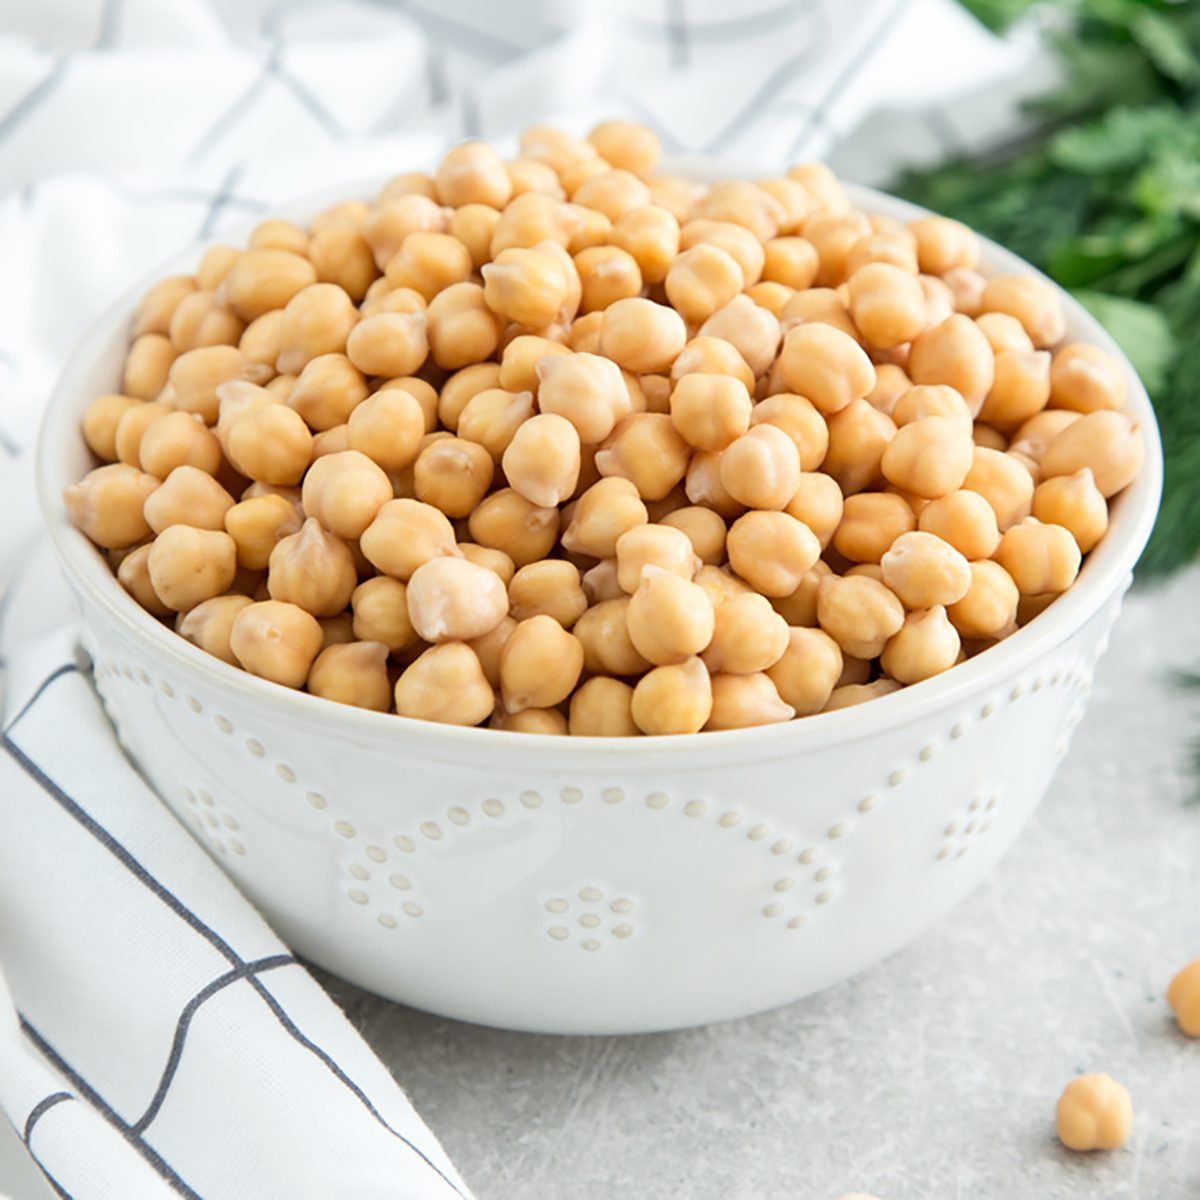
x=594, y=886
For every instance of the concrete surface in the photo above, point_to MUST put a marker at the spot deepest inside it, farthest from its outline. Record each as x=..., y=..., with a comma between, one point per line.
x=931, y=1077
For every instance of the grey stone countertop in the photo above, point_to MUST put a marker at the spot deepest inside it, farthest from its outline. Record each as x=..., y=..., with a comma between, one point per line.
x=932, y=1076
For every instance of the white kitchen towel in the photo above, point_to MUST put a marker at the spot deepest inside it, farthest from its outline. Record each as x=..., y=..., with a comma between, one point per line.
x=161, y=1040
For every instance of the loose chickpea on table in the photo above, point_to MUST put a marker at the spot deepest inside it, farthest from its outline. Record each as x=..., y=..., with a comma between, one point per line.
x=567, y=445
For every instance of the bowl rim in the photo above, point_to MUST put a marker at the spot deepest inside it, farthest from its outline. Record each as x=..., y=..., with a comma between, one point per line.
x=1105, y=571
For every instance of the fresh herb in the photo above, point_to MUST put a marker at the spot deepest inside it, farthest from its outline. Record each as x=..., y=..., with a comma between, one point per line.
x=1104, y=195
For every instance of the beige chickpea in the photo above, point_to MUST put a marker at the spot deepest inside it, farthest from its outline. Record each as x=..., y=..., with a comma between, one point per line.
x=387, y=225
x=474, y=225
x=929, y=457
x=603, y=707
x=462, y=387
x=353, y=673
x=331, y=441
x=660, y=546
x=411, y=183
x=954, y=352
x=584, y=334
x=743, y=701
x=887, y=304
x=858, y=436
x=107, y=505
x=739, y=202
x=1107, y=442
x=871, y=522
x=967, y=286
x=195, y=376
x=930, y=400
x=526, y=285
x=488, y=648
x=711, y=356
x=626, y=145
x=850, y=694
x=1183, y=995
x=389, y=344
x=100, y=422
x=262, y=338
x=1040, y=558
x=607, y=274
x=641, y=336
x=819, y=503
x=532, y=218
x=748, y=636
x=473, y=173
x=214, y=266
x=612, y=193
x=133, y=573
x=507, y=521
x=539, y=665
x=791, y=261
x=964, y=520
x=1033, y=301
x=546, y=721
x=989, y=437
x=820, y=306
x=796, y=202
x=826, y=366
x=650, y=235
x=719, y=584
x=801, y=421
x=404, y=534
x=279, y=234
x=492, y=417
x=761, y=469
x=1003, y=332
x=1020, y=389
x=528, y=175
x=317, y=320
x=328, y=390
x=834, y=235
x=891, y=383
x=453, y=474
x=177, y=439
x=380, y=608
x=381, y=297
x=1075, y=503
x=1094, y=1112
x=703, y=528
x=210, y=623
x=445, y=684
x=453, y=600
x=675, y=193
x=313, y=570
x=859, y=613
x=587, y=228
x=673, y=699
x=603, y=632
x=939, y=302
x=669, y=618
x=550, y=587
x=199, y=320
x=257, y=524
x=752, y=331
x=340, y=254
x=606, y=511
x=924, y=571
x=645, y=449
x=989, y=608
x=345, y=491
x=1029, y=607
x=270, y=444
x=542, y=460
x=428, y=263
x=925, y=645
x=519, y=363
x=187, y=565
x=387, y=428
x=155, y=309
x=771, y=551
x=702, y=280
x=262, y=279
x=188, y=496
x=1085, y=378
x=585, y=389
x=1003, y=482
x=710, y=412
x=808, y=670
x=894, y=248
x=773, y=297
x=944, y=244
x=703, y=486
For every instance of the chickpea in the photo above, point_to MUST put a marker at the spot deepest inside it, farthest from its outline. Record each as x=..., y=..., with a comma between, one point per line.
x=411, y=183
x=748, y=636
x=214, y=266
x=1040, y=558
x=155, y=309
x=317, y=320
x=552, y=588
x=1075, y=503
x=1004, y=332
x=859, y=613
x=187, y=565
x=929, y=457
x=820, y=306
x=187, y=496
x=871, y=522
x=381, y=297
x=1085, y=378
x=712, y=356
x=1107, y=442
x=649, y=234
x=613, y=193
x=761, y=469
x=453, y=474
x=791, y=261
x=133, y=573
x=800, y=607
x=1034, y=303
x=428, y=263
x=200, y=320
x=703, y=528
x=532, y=218
x=673, y=699
x=380, y=607
x=604, y=634
x=270, y=445
x=606, y=511
x=177, y=439
x=100, y=423
x=807, y=671
x=387, y=428
x=669, y=618
x=944, y=244
x=954, y=352
x=818, y=503
x=825, y=365
x=773, y=297
x=851, y=694
x=147, y=366
x=964, y=520
x=894, y=249
x=989, y=437
x=1020, y=389
x=1003, y=482
x=389, y=344
x=518, y=366
x=345, y=491
x=313, y=570
x=195, y=376
x=585, y=389
x=607, y=274
x=262, y=279
x=546, y=721
x=801, y=421
x=539, y=664
x=453, y=600
x=445, y=684
x=353, y=673
x=1031, y=606
x=646, y=449
x=341, y=255
x=473, y=173
x=331, y=441
x=256, y=525
x=859, y=435
x=462, y=387
x=506, y=521
x=702, y=280
x=387, y=225
x=703, y=486
x=967, y=286
x=527, y=175
x=925, y=572
x=404, y=534
x=641, y=336
x=930, y=400
x=710, y=412
x=989, y=609
x=210, y=623
x=526, y=285
x=542, y=460
x=771, y=551
x=261, y=340
x=887, y=304
x=474, y=225
x=1184, y=998
x=659, y=546
x=1094, y=1113
x=751, y=330
x=328, y=390
x=891, y=383
x=743, y=701
x=603, y=707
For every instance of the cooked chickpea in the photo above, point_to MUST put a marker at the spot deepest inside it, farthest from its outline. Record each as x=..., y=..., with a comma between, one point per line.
x=327, y=391
x=773, y=297
x=929, y=457
x=214, y=266
x=389, y=344
x=404, y=534
x=257, y=524
x=850, y=694
x=649, y=234
x=380, y=613
x=188, y=565
x=519, y=363
x=1003, y=482
x=264, y=278
x=989, y=609
x=926, y=645
x=967, y=286
x=924, y=571
x=147, y=366
x=710, y=412
x=808, y=670
x=101, y=420
x=944, y=244
x=641, y=336
x=1020, y=389
x=859, y=613
x=930, y=400
x=177, y=439
x=550, y=587
x=858, y=437
x=1107, y=442
x=1040, y=558
x=702, y=280
x=887, y=304
x=527, y=175
x=892, y=248
x=761, y=469
x=748, y=636
x=387, y=225
x=603, y=513
x=871, y=522
x=453, y=474
x=331, y=441
x=187, y=497
x=711, y=356
x=387, y=428
x=954, y=352
x=506, y=521
x=460, y=328
x=209, y=625
x=1085, y=378
x=492, y=417
x=673, y=699
x=603, y=707
x=542, y=460
x=964, y=520
x=703, y=486
x=752, y=331
x=546, y=721
x=539, y=665
x=703, y=528
x=270, y=444
x=345, y=491
x=771, y=551
x=526, y=285
x=133, y=573
x=313, y=570
x=453, y=600
x=989, y=438
x=646, y=449
x=261, y=340
x=819, y=503
x=791, y=261
x=1094, y=1113
x=586, y=390
x=891, y=384
x=1033, y=302
x=826, y=365
x=353, y=673
x=607, y=274
x=445, y=684
x=200, y=320
x=800, y=607
x=742, y=701
x=155, y=309
x=801, y=421
x=1075, y=503
x=1184, y=998
x=195, y=376
x=658, y=546
x=473, y=173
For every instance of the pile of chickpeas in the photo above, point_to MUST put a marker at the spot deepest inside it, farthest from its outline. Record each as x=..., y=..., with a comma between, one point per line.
x=565, y=445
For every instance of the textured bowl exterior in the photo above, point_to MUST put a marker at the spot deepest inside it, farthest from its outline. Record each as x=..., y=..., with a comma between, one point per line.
x=606, y=885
